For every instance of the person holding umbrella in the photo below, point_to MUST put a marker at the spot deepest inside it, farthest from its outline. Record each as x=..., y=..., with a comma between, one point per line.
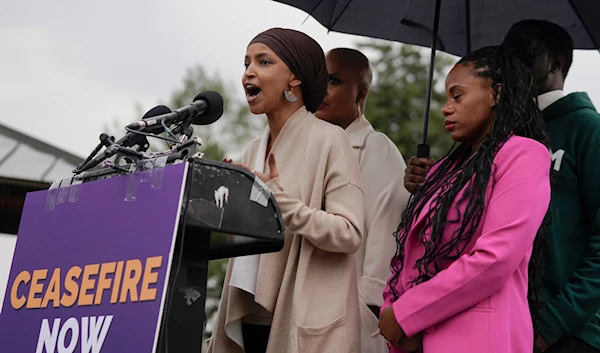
x=303, y=298
x=460, y=276
x=381, y=168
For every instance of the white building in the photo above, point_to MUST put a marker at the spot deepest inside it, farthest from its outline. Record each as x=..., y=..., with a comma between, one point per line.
x=26, y=164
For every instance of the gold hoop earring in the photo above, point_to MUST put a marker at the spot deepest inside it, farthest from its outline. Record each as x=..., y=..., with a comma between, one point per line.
x=290, y=96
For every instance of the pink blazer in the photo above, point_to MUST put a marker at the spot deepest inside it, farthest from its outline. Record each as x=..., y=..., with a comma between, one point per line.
x=478, y=303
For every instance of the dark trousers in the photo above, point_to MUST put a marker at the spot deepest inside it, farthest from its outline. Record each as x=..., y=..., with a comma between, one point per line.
x=256, y=337
x=571, y=344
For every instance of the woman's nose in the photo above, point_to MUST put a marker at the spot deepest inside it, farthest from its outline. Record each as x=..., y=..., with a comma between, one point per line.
x=250, y=70
x=447, y=109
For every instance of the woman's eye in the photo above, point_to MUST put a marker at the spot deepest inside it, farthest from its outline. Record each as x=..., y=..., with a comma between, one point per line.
x=264, y=62
x=334, y=81
x=246, y=65
x=457, y=96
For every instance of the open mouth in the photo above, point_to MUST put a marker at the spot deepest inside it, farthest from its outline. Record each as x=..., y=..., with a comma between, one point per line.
x=252, y=90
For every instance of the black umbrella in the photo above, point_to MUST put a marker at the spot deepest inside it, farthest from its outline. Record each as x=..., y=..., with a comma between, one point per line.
x=453, y=26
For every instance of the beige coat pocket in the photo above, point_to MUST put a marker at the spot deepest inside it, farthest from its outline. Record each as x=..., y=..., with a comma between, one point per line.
x=326, y=339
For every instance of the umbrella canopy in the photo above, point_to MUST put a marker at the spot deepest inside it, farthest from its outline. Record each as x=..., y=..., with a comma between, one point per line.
x=454, y=26
x=464, y=25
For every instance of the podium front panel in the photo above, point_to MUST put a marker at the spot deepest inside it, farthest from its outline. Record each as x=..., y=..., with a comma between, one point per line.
x=67, y=248
x=91, y=271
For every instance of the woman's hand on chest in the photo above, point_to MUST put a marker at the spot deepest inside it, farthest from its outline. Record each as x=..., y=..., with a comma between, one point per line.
x=273, y=172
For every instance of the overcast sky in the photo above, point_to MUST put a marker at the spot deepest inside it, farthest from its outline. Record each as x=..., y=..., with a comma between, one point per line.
x=67, y=68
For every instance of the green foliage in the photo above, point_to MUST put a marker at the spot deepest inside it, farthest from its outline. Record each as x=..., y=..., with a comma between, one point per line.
x=396, y=102
x=230, y=135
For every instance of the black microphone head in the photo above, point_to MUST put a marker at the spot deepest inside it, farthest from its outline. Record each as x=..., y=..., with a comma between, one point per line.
x=156, y=111
x=214, y=109
x=132, y=139
x=152, y=113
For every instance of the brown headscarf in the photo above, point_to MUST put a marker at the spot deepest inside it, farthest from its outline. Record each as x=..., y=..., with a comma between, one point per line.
x=305, y=58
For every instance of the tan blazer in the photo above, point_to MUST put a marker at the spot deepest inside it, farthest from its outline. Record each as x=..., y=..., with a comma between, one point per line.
x=310, y=287
x=382, y=171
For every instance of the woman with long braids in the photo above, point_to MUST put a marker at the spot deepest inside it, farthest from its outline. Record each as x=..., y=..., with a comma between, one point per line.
x=462, y=273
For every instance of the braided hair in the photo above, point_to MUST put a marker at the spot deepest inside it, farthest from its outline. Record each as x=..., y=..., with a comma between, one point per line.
x=462, y=168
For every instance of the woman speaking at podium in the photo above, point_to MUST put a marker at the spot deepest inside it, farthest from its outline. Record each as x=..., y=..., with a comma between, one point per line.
x=303, y=298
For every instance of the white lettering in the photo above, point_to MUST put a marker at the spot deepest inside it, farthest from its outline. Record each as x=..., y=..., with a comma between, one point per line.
x=93, y=333
x=93, y=339
x=47, y=338
x=557, y=158
x=72, y=325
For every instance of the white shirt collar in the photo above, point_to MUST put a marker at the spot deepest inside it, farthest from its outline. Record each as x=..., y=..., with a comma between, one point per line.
x=358, y=130
x=548, y=98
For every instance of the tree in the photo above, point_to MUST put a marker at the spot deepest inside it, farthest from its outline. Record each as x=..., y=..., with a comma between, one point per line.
x=396, y=102
x=230, y=134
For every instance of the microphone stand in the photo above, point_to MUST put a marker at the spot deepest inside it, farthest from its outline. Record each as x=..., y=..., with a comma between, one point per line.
x=104, y=142
x=183, y=149
x=110, y=151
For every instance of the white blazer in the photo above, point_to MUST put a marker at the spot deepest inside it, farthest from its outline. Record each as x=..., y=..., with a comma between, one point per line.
x=382, y=172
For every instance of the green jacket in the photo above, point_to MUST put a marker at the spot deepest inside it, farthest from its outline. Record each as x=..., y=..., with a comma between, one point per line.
x=572, y=274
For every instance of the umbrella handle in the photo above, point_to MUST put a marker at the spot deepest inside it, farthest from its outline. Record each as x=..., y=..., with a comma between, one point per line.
x=422, y=150
x=423, y=147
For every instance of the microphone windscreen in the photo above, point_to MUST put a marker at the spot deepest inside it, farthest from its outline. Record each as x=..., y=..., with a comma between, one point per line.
x=214, y=109
x=157, y=111
x=132, y=139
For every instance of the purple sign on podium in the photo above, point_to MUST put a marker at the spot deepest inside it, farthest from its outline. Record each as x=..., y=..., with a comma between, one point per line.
x=91, y=276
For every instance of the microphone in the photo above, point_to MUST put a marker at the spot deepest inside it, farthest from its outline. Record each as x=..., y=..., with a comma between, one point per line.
x=105, y=141
x=156, y=112
x=132, y=139
x=206, y=109
x=109, y=152
x=215, y=108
